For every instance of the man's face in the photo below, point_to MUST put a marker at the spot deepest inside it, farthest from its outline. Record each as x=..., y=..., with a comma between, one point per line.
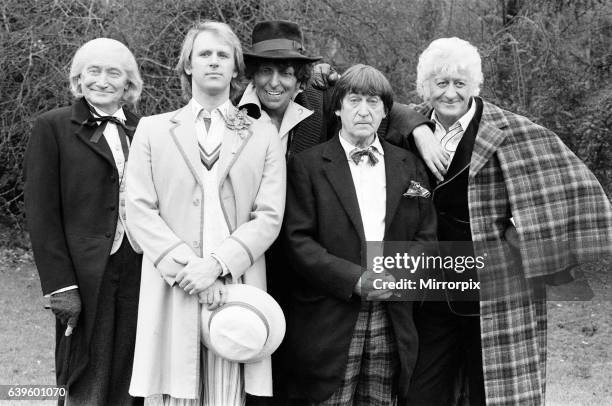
x=275, y=86
x=212, y=65
x=450, y=96
x=361, y=116
x=103, y=80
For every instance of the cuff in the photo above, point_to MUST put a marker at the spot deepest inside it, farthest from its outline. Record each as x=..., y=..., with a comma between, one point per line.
x=224, y=270
x=235, y=255
x=71, y=287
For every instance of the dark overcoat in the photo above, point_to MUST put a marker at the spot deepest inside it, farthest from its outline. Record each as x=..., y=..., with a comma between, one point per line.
x=326, y=246
x=72, y=203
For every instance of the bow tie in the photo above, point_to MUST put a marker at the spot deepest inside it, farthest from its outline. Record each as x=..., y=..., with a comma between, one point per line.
x=101, y=122
x=357, y=153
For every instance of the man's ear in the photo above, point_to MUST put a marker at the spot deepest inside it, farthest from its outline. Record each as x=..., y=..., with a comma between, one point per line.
x=187, y=68
x=337, y=112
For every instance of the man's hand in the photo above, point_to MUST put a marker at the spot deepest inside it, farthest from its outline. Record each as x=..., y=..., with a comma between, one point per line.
x=66, y=306
x=365, y=285
x=435, y=156
x=324, y=76
x=198, y=275
x=215, y=296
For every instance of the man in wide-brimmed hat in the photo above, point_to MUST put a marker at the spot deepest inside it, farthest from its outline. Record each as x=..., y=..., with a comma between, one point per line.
x=280, y=70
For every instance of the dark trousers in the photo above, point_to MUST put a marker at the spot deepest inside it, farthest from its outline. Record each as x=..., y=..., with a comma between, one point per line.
x=449, y=365
x=106, y=379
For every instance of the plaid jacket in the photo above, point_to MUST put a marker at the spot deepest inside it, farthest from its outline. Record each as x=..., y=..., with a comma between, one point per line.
x=521, y=170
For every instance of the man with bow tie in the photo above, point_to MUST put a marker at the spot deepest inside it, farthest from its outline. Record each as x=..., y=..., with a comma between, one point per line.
x=347, y=345
x=75, y=208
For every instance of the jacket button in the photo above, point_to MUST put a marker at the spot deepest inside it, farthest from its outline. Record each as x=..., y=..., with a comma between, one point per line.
x=112, y=179
x=196, y=244
x=112, y=208
x=196, y=202
x=108, y=234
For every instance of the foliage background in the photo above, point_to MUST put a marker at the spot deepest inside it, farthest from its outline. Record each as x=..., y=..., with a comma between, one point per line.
x=548, y=60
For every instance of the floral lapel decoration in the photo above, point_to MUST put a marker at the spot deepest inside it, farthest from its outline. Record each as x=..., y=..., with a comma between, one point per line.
x=239, y=121
x=416, y=190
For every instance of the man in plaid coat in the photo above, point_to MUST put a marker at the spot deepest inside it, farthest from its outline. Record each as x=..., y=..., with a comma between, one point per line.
x=528, y=205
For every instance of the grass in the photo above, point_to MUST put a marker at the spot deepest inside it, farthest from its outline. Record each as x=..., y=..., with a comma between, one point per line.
x=579, y=340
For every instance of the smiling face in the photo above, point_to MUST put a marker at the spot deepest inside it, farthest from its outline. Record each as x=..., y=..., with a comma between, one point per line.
x=211, y=66
x=450, y=96
x=275, y=86
x=103, y=80
x=360, y=115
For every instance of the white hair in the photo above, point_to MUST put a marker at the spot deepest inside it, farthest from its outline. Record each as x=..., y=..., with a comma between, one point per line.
x=119, y=52
x=448, y=56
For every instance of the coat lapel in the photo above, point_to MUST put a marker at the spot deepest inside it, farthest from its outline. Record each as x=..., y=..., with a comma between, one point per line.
x=183, y=133
x=232, y=145
x=336, y=169
x=489, y=137
x=85, y=132
x=397, y=179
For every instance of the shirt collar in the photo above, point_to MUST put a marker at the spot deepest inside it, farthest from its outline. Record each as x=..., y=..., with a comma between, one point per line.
x=250, y=101
x=224, y=109
x=464, y=120
x=348, y=147
x=117, y=114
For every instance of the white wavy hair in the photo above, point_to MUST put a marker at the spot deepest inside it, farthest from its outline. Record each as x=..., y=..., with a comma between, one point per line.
x=119, y=53
x=449, y=56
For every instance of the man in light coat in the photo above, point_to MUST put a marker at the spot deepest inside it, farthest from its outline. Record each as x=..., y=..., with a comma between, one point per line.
x=206, y=194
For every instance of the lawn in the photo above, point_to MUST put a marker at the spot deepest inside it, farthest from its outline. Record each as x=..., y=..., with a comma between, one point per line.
x=579, y=341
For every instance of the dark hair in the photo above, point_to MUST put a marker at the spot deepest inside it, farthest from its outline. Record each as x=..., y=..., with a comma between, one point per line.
x=362, y=79
x=302, y=69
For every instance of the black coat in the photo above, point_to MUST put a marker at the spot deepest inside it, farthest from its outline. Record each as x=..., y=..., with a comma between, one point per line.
x=72, y=202
x=326, y=246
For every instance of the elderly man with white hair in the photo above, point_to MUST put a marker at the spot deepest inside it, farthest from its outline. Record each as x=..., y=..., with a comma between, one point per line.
x=514, y=194
x=74, y=195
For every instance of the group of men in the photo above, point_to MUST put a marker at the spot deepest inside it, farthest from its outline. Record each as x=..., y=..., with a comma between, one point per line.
x=285, y=194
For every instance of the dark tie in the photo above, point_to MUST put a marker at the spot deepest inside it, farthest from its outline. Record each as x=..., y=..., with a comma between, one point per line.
x=102, y=121
x=357, y=153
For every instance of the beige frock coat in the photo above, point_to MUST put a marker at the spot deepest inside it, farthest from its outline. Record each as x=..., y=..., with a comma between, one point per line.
x=165, y=214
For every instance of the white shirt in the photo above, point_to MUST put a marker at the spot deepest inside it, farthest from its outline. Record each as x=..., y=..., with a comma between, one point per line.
x=371, y=186
x=215, y=229
x=440, y=132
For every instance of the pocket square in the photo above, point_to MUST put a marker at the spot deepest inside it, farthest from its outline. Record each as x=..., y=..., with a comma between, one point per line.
x=416, y=190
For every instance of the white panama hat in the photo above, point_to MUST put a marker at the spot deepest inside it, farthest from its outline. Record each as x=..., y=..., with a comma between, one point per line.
x=247, y=328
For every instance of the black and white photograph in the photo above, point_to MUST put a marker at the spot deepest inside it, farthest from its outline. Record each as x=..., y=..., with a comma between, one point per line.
x=306, y=202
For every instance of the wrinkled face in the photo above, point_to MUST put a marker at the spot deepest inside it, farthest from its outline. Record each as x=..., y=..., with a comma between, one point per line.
x=450, y=96
x=275, y=86
x=212, y=65
x=361, y=116
x=104, y=80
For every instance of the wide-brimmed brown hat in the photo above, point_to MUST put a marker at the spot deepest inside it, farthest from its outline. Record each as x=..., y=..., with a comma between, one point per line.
x=278, y=40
